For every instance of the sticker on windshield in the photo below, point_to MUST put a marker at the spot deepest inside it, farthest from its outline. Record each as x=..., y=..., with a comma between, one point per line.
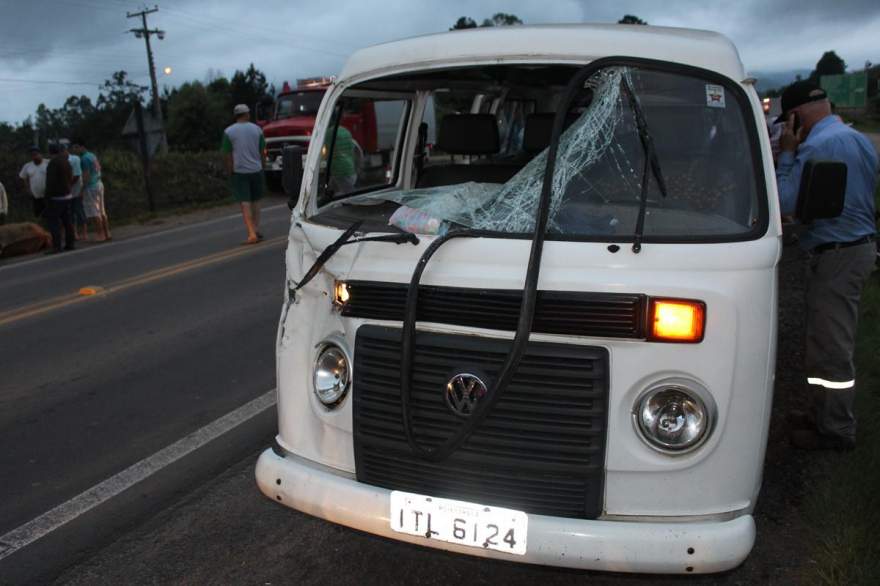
x=714, y=96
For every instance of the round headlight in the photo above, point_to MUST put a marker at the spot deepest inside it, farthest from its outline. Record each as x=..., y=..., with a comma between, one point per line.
x=672, y=419
x=332, y=375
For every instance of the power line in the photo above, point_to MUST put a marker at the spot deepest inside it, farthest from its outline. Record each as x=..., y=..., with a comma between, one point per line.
x=87, y=5
x=73, y=47
x=50, y=81
x=66, y=61
x=258, y=28
x=261, y=33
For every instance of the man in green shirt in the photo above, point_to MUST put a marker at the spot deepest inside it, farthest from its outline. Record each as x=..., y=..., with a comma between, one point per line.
x=244, y=148
x=343, y=175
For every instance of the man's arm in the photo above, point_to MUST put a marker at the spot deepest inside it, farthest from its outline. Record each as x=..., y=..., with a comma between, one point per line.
x=262, y=151
x=790, y=166
x=226, y=149
x=68, y=174
x=25, y=181
x=84, y=167
x=4, y=201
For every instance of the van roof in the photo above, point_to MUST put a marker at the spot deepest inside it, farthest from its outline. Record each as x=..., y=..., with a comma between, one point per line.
x=561, y=43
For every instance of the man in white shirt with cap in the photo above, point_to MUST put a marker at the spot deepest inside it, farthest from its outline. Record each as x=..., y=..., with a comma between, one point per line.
x=33, y=173
x=244, y=148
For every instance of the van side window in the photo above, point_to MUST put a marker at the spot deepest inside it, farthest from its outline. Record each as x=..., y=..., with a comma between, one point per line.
x=361, y=145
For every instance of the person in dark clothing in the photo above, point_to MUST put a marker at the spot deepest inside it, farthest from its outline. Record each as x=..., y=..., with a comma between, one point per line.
x=842, y=254
x=59, y=179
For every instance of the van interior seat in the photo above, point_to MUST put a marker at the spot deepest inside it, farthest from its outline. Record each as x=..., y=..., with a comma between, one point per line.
x=538, y=130
x=472, y=135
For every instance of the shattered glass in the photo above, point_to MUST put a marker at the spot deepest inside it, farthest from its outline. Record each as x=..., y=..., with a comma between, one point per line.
x=703, y=150
x=510, y=207
x=513, y=207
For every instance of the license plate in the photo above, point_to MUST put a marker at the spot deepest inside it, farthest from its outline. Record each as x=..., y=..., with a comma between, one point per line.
x=459, y=522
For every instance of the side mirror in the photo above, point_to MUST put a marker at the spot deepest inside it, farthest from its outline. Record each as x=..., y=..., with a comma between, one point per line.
x=292, y=172
x=822, y=191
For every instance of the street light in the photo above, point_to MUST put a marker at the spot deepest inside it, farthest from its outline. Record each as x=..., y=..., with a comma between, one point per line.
x=166, y=70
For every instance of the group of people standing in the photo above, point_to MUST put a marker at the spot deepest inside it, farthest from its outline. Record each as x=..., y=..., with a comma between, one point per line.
x=68, y=192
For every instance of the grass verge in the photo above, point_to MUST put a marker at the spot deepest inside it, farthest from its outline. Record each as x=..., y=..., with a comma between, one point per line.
x=844, y=508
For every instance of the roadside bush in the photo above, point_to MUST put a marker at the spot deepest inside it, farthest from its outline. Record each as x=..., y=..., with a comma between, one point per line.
x=179, y=180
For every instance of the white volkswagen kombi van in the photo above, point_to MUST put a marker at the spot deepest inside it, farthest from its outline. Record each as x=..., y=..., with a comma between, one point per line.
x=547, y=334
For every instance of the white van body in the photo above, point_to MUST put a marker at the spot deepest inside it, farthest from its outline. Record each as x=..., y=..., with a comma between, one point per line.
x=657, y=511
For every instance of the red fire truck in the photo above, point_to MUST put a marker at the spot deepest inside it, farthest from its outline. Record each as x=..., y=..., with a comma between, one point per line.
x=293, y=122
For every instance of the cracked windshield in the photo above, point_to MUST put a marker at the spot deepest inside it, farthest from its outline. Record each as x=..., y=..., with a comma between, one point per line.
x=487, y=167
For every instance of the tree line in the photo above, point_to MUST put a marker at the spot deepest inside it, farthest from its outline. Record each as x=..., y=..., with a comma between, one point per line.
x=505, y=19
x=829, y=64
x=195, y=113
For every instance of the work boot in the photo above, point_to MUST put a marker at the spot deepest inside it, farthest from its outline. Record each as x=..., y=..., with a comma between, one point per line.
x=810, y=439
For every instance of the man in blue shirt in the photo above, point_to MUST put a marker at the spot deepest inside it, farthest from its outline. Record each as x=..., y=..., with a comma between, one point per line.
x=80, y=225
x=841, y=253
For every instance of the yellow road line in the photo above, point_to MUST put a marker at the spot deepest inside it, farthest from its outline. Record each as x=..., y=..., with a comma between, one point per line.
x=48, y=305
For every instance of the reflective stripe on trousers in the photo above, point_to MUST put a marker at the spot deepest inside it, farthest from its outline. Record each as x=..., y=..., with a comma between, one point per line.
x=827, y=384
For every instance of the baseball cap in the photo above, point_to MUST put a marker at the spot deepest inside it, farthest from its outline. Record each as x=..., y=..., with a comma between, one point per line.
x=34, y=149
x=241, y=109
x=798, y=94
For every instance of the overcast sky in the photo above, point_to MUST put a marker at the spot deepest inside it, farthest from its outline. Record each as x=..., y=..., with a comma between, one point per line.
x=81, y=42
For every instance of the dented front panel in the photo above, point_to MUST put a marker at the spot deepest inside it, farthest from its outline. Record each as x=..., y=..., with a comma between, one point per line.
x=734, y=362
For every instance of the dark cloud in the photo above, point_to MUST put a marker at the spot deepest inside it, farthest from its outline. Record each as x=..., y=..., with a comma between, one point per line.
x=788, y=13
x=84, y=41
x=35, y=31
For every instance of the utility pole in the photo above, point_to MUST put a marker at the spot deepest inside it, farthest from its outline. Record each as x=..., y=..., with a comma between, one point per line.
x=146, y=33
x=145, y=156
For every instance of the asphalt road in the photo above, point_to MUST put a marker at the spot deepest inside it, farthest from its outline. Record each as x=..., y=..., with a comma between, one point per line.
x=181, y=333
x=226, y=532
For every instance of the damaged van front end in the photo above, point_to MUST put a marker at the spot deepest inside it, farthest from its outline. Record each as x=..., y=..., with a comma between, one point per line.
x=549, y=335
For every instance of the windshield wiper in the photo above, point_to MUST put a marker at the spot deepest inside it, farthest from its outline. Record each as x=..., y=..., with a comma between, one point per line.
x=346, y=238
x=651, y=162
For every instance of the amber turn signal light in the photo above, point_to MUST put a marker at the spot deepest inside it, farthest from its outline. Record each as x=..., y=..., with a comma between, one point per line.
x=676, y=320
x=340, y=293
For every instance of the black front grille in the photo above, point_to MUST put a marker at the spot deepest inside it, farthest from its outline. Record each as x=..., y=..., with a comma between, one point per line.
x=614, y=315
x=541, y=450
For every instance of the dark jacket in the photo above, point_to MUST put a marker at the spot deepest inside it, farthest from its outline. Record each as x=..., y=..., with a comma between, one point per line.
x=59, y=177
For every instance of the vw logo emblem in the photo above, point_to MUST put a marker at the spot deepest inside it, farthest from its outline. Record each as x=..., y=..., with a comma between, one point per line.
x=462, y=393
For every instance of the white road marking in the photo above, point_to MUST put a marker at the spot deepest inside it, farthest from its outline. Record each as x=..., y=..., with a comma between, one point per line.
x=80, y=250
x=26, y=534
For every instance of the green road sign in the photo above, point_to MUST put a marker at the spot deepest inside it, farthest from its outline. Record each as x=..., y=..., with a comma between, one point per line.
x=848, y=90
